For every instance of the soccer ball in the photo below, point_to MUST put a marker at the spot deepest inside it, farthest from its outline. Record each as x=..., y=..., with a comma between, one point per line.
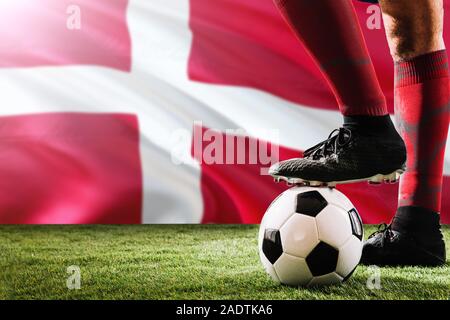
x=310, y=237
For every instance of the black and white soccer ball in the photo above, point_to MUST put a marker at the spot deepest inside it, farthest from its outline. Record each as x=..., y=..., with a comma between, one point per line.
x=310, y=237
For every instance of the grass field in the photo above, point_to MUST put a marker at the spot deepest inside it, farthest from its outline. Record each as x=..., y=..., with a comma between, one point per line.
x=175, y=262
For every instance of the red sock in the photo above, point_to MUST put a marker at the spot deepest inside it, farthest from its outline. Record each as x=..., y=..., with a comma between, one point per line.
x=330, y=31
x=422, y=96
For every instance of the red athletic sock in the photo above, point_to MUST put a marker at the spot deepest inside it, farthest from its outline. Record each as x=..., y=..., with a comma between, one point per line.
x=422, y=96
x=330, y=31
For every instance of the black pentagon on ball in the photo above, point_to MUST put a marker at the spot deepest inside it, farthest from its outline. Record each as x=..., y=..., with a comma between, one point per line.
x=357, y=227
x=310, y=203
x=322, y=260
x=271, y=245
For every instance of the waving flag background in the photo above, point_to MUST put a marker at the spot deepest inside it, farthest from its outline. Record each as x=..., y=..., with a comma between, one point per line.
x=88, y=116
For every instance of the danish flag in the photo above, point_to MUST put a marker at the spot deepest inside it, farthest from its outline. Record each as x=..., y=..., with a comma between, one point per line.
x=96, y=96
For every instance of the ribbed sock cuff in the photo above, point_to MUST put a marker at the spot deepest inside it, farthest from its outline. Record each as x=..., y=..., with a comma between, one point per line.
x=416, y=220
x=373, y=124
x=422, y=68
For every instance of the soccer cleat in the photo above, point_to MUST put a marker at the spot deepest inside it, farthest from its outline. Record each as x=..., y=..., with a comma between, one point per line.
x=346, y=156
x=387, y=247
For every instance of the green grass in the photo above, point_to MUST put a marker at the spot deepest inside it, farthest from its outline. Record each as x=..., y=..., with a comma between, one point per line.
x=175, y=262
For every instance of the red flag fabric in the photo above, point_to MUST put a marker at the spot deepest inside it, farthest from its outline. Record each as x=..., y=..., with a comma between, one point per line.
x=64, y=32
x=52, y=167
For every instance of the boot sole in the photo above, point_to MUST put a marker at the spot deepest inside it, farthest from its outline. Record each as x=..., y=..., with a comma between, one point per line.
x=377, y=179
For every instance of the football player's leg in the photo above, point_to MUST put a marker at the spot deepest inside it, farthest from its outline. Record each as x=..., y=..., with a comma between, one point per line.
x=331, y=33
x=422, y=96
x=368, y=145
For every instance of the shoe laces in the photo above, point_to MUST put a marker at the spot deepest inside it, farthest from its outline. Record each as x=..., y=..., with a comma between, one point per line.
x=385, y=230
x=337, y=139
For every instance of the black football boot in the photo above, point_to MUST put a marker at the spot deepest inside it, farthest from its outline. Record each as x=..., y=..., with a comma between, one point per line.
x=413, y=239
x=366, y=149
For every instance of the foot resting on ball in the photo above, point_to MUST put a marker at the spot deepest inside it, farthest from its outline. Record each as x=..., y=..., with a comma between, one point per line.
x=414, y=238
x=368, y=149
